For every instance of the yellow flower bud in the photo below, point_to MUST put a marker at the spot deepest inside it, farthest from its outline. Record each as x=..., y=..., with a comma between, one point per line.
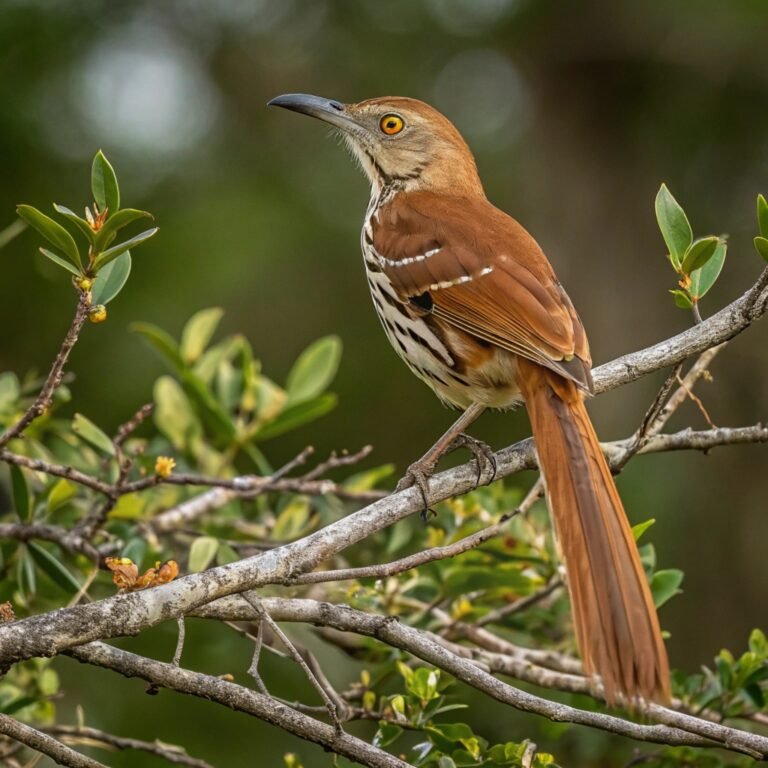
x=85, y=283
x=164, y=466
x=97, y=314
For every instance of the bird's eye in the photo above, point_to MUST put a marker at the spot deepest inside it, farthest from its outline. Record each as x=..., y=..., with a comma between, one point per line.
x=391, y=124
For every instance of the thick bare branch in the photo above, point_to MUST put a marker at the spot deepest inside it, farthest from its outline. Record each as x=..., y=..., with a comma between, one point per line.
x=42, y=742
x=238, y=698
x=74, y=734
x=676, y=728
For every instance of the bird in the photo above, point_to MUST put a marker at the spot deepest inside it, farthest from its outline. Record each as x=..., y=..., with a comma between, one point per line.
x=472, y=305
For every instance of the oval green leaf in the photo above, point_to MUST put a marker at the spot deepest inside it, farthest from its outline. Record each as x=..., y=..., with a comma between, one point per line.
x=116, y=250
x=202, y=552
x=111, y=279
x=703, y=279
x=198, y=332
x=20, y=493
x=314, y=370
x=89, y=432
x=674, y=225
x=116, y=222
x=60, y=261
x=682, y=299
x=52, y=231
x=699, y=253
x=761, y=245
x=78, y=221
x=296, y=415
x=665, y=585
x=762, y=215
x=104, y=186
x=52, y=568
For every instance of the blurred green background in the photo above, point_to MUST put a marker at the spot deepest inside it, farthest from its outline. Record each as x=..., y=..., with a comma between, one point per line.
x=576, y=112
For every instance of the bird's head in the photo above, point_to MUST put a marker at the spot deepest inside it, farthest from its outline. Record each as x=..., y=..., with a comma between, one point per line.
x=397, y=140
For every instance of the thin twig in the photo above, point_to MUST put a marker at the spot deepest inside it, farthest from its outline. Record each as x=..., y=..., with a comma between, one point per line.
x=180, y=641
x=337, y=460
x=495, y=616
x=53, y=380
x=238, y=698
x=317, y=684
x=464, y=544
x=75, y=734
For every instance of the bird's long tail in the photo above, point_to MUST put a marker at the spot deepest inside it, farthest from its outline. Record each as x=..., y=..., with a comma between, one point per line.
x=616, y=623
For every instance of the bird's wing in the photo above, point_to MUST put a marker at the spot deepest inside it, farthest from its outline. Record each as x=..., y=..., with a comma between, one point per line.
x=474, y=267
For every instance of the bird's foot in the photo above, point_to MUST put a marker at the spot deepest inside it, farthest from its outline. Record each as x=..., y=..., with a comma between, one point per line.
x=418, y=475
x=482, y=452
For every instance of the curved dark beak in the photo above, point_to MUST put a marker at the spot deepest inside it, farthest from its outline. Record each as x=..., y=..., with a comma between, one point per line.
x=328, y=110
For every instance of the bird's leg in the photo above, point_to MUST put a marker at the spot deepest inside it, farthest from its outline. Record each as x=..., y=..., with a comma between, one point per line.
x=420, y=471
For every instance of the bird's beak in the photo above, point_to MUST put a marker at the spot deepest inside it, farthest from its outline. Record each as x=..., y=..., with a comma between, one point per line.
x=328, y=110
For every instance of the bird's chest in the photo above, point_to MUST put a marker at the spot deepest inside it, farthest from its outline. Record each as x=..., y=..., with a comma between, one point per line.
x=448, y=360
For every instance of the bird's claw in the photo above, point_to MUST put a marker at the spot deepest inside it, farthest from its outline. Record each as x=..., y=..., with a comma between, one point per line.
x=418, y=475
x=482, y=452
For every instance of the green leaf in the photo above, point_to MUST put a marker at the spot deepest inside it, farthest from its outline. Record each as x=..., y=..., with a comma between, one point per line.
x=296, y=415
x=174, y=415
x=665, y=585
x=135, y=549
x=25, y=574
x=52, y=568
x=161, y=341
x=386, y=734
x=761, y=245
x=210, y=409
x=112, y=253
x=62, y=491
x=20, y=493
x=226, y=555
x=56, y=259
x=9, y=389
x=292, y=519
x=314, y=370
x=202, y=552
x=198, y=332
x=699, y=253
x=110, y=279
x=78, y=221
x=639, y=529
x=115, y=222
x=762, y=215
x=703, y=279
x=51, y=231
x=89, y=432
x=682, y=299
x=104, y=186
x=18, y=704
x=674, y=225
x=758, y=643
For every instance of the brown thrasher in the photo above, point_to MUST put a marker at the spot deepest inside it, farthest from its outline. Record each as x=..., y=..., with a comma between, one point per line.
x=469, y=301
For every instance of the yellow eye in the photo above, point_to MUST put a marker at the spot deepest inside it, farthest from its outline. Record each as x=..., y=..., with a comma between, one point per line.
x=391, y=124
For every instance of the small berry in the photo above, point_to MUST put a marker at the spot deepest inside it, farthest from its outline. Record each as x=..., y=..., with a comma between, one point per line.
x=97, y=314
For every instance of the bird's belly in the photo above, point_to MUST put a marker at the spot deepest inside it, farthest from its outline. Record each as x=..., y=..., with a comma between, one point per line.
x=460, y=369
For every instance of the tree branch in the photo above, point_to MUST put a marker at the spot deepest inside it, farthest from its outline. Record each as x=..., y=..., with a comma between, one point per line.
x=238, y=698
x=53, y=380
x=676, y=728
x=34, y=739
x=76, y=734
